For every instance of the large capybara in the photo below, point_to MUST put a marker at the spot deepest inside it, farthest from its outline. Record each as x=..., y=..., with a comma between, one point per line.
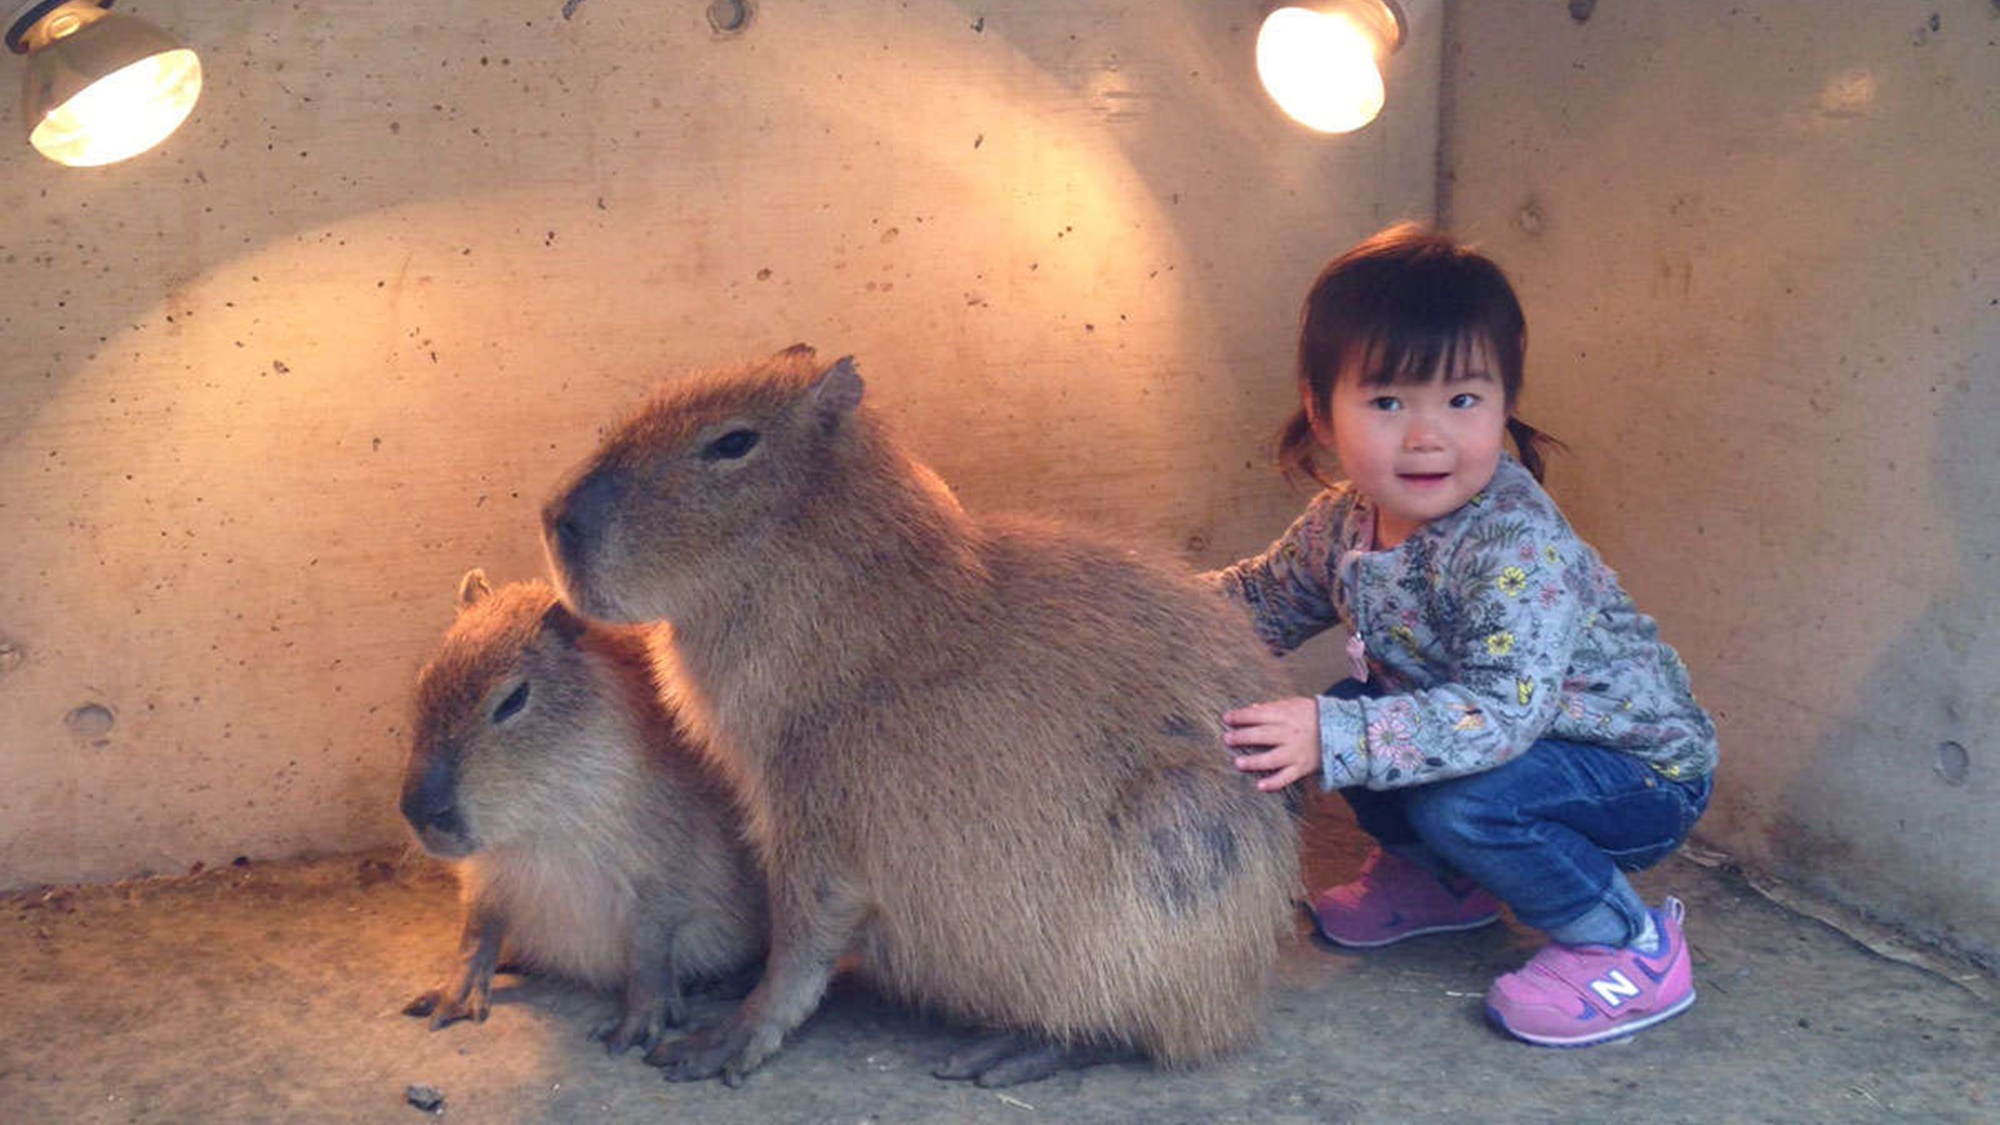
x=983, y=756
x=589, y=838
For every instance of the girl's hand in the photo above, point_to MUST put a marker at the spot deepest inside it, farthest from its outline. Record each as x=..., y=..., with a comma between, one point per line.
x=1288, y=729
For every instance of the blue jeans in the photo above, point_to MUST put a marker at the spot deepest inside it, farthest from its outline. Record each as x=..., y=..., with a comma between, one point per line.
x=1551, y=833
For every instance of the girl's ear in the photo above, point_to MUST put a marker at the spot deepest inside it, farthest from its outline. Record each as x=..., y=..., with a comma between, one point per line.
x=1316, y=415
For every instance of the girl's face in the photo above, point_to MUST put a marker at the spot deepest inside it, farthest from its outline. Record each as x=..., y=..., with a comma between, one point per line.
x=1418, y=450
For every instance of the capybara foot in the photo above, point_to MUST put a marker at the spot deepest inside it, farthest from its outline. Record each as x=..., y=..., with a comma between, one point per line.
x=445, y=1010
x=635, y=1028
x=728, y=1049
x=1010, y=1058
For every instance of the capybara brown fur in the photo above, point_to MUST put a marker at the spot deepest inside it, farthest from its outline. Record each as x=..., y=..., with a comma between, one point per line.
x=590, y=840
x=983, y=756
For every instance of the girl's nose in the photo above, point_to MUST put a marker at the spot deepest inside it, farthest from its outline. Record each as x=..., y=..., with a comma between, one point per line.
x=1423, y=432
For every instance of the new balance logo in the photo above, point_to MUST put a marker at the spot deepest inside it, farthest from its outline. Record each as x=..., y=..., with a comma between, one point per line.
x=1614, y=988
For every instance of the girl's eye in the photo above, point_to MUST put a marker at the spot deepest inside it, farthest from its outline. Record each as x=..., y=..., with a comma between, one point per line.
x=1386, y=402
x=1465, y=401
x=730, y=446
x=510, y=706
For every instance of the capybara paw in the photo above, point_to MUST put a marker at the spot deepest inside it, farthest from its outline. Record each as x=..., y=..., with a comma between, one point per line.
x=722, y=1050
x=628, y=1031
x=1031, y=1064
x=445, y=1009
x=1011, y=1058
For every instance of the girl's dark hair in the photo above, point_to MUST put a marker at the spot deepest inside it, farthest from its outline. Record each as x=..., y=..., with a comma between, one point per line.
x=1399, y=304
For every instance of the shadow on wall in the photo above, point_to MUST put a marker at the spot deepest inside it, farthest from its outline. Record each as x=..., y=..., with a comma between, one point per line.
x=1909, y=777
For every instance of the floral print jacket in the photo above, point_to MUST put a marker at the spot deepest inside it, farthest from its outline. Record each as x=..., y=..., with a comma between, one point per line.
x=1486, y=630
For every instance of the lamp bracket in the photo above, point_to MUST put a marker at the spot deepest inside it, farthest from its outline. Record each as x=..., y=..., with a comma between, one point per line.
x=26, y=16
x=1389, y=20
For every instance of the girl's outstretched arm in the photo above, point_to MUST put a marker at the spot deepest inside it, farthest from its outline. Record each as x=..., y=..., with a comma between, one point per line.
x=1288, y=589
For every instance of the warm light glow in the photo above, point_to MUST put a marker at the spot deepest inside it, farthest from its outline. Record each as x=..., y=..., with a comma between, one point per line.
x=1321, y=68
x=123, y=114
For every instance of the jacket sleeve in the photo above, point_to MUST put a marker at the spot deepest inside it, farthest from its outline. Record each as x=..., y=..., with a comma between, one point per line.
x=1287, y=589
x=1510, y=604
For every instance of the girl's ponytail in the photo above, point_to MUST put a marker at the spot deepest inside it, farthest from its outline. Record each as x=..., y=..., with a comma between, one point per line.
x=1531, y=444
x=1297, y=450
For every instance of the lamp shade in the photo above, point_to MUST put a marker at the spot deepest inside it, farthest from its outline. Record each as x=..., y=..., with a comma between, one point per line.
x=102, y=87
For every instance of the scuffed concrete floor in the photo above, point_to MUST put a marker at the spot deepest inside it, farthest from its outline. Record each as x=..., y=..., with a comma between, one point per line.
x=273, y=993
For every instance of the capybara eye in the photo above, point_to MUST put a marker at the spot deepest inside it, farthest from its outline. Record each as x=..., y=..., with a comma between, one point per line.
x=516, y=699
x=730, y=446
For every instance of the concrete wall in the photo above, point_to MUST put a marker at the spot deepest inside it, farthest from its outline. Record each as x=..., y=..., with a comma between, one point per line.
x=269, y=390
x=1760, y=248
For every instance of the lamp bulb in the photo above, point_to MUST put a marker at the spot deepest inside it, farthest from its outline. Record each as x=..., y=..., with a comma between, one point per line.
x=1321, y=67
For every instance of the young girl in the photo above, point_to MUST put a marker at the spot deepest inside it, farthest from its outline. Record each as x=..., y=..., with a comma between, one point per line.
x=1515, y=732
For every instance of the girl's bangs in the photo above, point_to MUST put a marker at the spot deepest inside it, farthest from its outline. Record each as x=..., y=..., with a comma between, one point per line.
x=1415, y=356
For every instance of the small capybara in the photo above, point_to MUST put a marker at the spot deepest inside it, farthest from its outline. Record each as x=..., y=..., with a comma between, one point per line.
x=589, y=838
x=984, y=757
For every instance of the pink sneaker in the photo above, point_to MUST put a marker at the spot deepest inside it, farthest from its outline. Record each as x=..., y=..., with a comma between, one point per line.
x=1578, y=995
x=1395, y=899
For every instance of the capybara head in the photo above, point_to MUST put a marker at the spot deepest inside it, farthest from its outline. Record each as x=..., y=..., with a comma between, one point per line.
x=643, y=527
x=520, y=726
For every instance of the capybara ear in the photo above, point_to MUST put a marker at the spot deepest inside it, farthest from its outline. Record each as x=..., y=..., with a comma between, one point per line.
x=800, y=350
x=559, y=622
x=836, y=392
x=472, y=589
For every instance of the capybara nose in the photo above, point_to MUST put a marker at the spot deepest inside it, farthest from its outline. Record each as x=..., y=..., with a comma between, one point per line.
x=574, y=520
x=430, y=800
x=438, y=822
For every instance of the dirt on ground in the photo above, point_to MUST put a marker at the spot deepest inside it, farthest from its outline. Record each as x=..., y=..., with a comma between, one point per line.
x=274, y=992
